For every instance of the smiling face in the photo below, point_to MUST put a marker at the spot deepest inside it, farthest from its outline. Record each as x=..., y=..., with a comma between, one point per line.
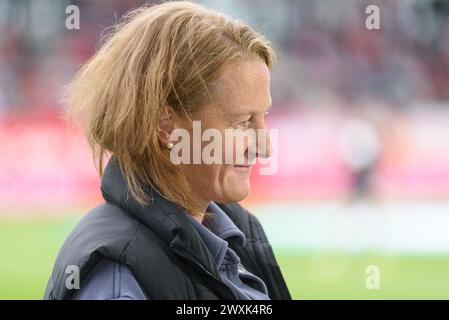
x=240, y=101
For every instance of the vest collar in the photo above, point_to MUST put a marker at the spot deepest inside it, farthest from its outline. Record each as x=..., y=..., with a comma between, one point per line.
x=169, y=221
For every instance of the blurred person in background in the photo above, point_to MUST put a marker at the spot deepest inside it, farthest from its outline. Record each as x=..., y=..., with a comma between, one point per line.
x=359, y=145
x=171, y=231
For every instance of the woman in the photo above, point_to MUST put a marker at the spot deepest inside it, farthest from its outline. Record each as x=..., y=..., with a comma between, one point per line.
x=171, y=230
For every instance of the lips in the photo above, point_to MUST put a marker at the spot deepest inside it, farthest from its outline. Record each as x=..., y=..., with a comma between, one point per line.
x=242, y=167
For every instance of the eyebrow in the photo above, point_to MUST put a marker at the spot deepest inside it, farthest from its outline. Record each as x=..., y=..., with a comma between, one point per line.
x=249, y=113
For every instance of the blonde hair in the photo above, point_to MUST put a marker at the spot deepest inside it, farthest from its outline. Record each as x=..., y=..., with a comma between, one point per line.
x=165, y=54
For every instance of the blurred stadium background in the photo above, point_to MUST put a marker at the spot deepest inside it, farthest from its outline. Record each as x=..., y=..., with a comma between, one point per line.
x=363, y=120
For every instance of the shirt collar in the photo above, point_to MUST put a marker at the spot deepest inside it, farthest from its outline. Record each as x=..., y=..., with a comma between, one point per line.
x=214, y=231
x=221, y=225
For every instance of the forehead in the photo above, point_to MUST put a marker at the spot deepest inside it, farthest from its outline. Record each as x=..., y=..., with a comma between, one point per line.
x=243, y=87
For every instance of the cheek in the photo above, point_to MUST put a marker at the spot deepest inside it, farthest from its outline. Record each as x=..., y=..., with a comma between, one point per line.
x=204, y=179
x=220, y=183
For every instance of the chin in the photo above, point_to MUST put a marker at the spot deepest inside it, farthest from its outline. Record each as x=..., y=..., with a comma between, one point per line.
x=237, y=194
x=235, y=187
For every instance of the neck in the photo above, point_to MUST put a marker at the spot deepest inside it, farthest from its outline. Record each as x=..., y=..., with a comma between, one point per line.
x=199, y=217
x=203, y=208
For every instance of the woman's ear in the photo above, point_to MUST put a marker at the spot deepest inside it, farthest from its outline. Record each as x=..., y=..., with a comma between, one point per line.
x=168, y=121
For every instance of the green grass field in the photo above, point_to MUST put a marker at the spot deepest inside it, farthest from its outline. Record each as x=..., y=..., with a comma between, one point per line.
x=28, y=248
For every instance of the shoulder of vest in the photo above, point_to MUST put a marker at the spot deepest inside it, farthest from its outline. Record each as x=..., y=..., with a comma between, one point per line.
x=106, y=231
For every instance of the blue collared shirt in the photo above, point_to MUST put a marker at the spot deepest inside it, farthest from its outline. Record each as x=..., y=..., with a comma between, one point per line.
x=110, y=280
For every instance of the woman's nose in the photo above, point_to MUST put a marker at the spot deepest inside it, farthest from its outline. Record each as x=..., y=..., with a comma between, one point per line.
x=264, y=147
